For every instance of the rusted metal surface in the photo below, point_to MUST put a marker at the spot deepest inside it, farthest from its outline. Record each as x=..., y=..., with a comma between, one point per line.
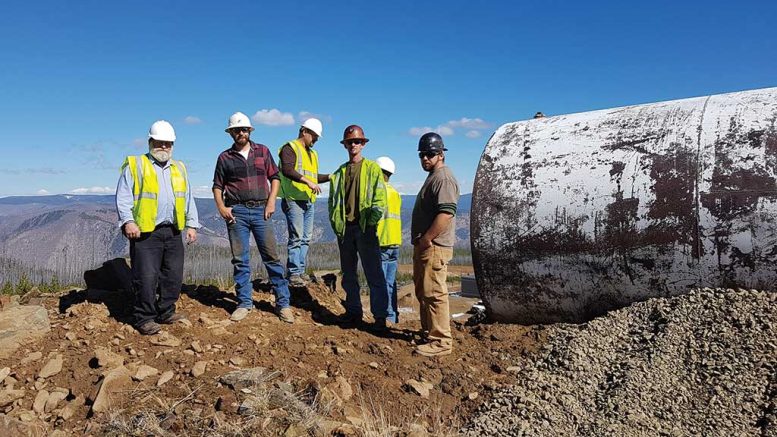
x=578, y=214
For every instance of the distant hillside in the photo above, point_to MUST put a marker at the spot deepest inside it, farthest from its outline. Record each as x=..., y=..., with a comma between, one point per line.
x=75, y=233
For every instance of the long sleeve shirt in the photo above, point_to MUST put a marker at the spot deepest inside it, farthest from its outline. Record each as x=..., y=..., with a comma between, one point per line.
x=165, y=200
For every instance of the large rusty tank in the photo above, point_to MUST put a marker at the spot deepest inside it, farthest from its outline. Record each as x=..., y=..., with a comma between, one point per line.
x=575, y=215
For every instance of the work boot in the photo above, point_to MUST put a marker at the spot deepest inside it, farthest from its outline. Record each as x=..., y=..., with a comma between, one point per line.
x=381, y=325
x=286, y=315
x=296, y=281
x=433, y=349
x=351, y=320
x=169, y=320
x=239, y=314
x=149, y=327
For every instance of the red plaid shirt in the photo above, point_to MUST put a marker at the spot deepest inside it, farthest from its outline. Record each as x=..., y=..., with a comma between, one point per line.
x=244, y=180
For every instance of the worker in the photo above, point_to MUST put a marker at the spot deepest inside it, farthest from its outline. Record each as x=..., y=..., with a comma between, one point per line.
x=433, y=234
x=155, y=204
x=245, y=186
x=390, y=238
x=299, y=188
x=357, y=199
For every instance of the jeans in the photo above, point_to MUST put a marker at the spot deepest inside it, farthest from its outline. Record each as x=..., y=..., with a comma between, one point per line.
x=389, y=256
x=157, y=265
x=354, y=245
x=251, y=221
x=299, y=218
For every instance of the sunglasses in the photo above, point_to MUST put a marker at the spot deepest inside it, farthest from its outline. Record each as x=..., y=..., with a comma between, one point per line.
x=355, y=142
x=427, y=155
x=240, y=129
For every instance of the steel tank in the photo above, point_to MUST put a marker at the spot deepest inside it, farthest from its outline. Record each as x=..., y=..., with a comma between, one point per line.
x=575, y=215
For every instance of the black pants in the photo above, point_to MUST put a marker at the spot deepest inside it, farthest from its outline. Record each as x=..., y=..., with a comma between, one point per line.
x=157, y=265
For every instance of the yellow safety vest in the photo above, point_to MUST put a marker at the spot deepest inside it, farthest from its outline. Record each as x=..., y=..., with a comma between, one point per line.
x=306, y=165
x=145, y=190
x=390, y=226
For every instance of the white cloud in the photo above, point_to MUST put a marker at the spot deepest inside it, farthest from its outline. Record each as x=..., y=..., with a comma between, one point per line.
x=140, y=143
x=202, y=191
x=273, y=117
x=416, y=131
x=93, y=190
x=191, y=119
x=472, y=134
x=469, y=123
x=42, y=192
x=407, y=187
x=304, y=115
x=444, y=130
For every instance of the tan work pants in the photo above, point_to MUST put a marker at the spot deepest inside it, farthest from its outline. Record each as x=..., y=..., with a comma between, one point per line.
x=430, y=271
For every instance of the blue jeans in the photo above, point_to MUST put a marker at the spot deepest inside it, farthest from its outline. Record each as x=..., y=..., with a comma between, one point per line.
x=390, y=259
x=354, y=245
x=299, y=218
x=251, y=221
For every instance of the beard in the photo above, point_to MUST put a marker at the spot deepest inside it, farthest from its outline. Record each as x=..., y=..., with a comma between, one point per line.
x=160, y=154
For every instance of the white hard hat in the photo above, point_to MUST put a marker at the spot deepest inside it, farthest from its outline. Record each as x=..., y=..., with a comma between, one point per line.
x=315, y=125
x=238, y=119
x=161, y=130
x=385, y=163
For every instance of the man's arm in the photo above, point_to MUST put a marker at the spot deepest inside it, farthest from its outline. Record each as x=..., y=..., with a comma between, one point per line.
x=379, y=197
x=224, y=211
x=288, y=161
x=269, y=207
x=124, y=203
x=439, y=224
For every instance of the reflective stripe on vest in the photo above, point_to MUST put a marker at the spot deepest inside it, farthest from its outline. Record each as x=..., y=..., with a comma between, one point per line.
x=145, y=190
x=306, y=165
x=390, y=226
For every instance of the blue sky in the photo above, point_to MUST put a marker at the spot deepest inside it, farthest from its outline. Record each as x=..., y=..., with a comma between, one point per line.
x=82, y=81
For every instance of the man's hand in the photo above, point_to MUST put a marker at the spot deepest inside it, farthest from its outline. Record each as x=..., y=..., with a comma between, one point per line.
x=314, y=187
x=191, y=235
x=131, y=230
x=269, y=209
x=226, y=214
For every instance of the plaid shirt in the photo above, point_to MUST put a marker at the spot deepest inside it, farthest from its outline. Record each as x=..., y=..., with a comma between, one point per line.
x=244, y=180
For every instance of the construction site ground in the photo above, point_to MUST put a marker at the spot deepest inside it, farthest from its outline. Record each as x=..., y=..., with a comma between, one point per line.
x=355, y=380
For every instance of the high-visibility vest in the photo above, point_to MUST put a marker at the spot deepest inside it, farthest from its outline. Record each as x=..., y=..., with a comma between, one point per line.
x=372, y=197
x=306, y=165
x=390, y=226
x=145, y=190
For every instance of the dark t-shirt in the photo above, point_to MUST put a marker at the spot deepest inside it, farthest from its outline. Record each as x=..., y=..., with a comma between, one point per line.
x=439, y=194
x=352, y=175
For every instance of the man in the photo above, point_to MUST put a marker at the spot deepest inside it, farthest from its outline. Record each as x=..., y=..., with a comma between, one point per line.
x=390, y=238
x=433, y=235
x=155, y=204
x=299, y=188
x=357, y=199
x=246, y=200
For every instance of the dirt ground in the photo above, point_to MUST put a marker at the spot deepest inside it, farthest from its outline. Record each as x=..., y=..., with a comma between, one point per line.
x=315, y=352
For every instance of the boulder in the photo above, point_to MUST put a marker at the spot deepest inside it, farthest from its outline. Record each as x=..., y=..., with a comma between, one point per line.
x=110, y=389
x=7, y=396
x=144, y=372
x=39, y=403
x=52, y=367
x=106, y=358
x=21, y=325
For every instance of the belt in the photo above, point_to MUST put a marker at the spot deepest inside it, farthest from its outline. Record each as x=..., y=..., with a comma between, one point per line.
x=249, y=203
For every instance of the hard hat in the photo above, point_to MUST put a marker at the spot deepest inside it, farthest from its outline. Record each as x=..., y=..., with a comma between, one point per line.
x=353, y=132
x=238, y=119
x=315, y=125
x=431, y=142
x=386, y=164
x=161, y=130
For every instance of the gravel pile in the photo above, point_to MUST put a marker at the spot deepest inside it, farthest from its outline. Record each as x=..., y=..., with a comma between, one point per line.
x=704, y=363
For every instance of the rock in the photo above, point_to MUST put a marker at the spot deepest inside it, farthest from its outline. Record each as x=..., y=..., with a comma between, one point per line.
x=32, y=356
x=248, y=377
x=4, y=372
x=227, y=403
x=7, y=396
x=199, y=368
x=195, y=346
x=374, y=365
x=39, y=404
x=51, y=368
x=343, y=388
x=8, y=301
x=110, y=389
x=472, y=396
x=237, y=361
x=21, y=325
x=108, y=359
x=71, y=407
x=55, y=397
x=144, y=372
x=250, y=406
x=166, y=376
x=13, y=427
x=419, y=388
x=295, y=430
x=165, y=339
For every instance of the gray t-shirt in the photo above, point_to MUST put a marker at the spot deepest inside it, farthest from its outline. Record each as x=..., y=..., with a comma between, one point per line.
x=440, y=193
